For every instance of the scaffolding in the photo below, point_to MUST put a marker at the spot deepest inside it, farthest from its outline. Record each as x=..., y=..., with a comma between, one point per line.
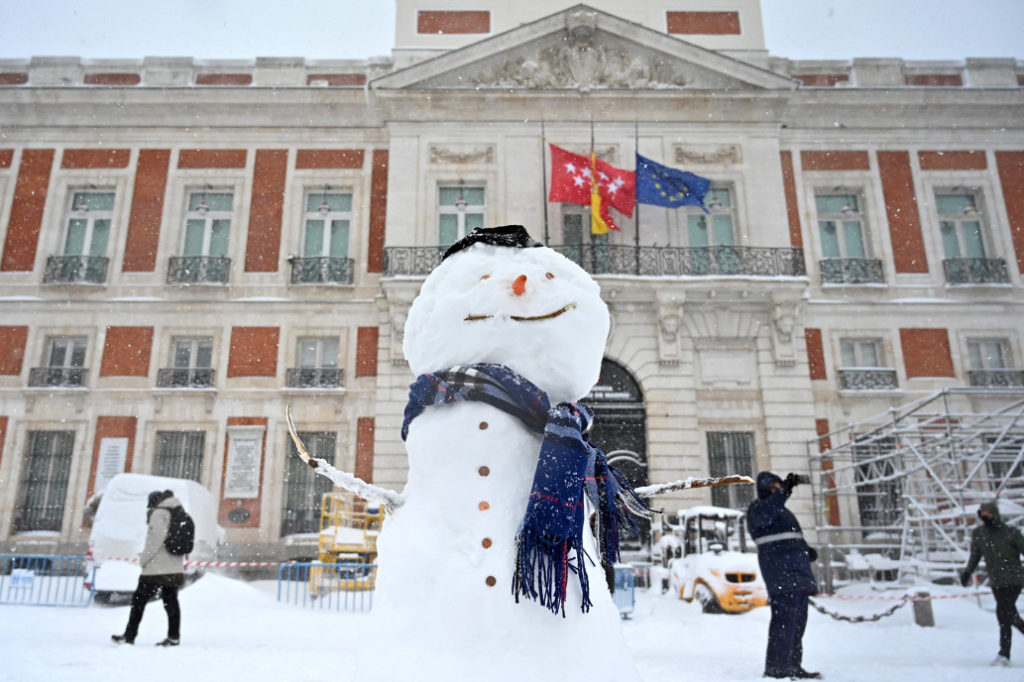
x=896, y=496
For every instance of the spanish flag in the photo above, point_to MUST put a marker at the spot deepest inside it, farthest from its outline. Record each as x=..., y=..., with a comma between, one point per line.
x=600, y=219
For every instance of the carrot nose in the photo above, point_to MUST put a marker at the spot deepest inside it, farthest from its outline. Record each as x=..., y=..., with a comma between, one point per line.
x=519, y=285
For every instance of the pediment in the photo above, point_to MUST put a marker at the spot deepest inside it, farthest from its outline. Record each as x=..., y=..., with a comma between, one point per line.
x=582, y=48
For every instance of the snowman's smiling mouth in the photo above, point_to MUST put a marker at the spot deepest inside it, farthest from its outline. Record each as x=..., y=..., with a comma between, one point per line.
x=517, y=318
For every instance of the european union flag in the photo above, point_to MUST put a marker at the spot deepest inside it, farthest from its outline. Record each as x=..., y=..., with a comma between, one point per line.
x=664, y=186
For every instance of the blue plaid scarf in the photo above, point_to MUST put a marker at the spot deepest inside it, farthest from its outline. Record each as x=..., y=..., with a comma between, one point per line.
x=569, y=466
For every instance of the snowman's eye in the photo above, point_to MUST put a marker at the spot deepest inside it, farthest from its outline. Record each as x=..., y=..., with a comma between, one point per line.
x=550, y=276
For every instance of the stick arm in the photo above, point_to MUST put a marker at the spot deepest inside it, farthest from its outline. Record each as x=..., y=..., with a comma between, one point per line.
x=391, y=499
x=688, y=484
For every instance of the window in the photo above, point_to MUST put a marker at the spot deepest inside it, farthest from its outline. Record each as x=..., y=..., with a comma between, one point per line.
x=731, y=452
x=1005, y=461
x=208, y=223
x=303, y=488
x=714, y=228
x=179, y=454
x=317, y=364
x=84, y=254
x=990, y=363
x=878, y=490
x=460, y=209
x=589, y=251
x=191, y=363
x=43, y=488
x=862, y=366
x=840, y=226
x=960, y=225
x=64, y=363
x=325, y=241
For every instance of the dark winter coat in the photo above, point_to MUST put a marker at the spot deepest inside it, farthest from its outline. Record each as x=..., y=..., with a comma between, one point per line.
x=785, y=563
x=1001, y=546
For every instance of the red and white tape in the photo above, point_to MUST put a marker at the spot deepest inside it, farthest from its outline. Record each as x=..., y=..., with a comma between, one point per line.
x=911, y=597
x=228, y=564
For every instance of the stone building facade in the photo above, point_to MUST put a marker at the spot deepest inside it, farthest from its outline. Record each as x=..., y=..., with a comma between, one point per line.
x=190, y=246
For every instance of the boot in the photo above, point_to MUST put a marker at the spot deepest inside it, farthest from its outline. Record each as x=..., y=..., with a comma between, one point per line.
x=802, y=674
x=121, y=639
x=1001, y=661
x=168, y=642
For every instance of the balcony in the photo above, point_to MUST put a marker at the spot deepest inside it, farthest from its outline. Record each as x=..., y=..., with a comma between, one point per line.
x=198, y=270
x=869, y=379
x=996, y=378
x=322, y=270
x=54, y=377
x=185, y=377
x=851, y=271
x=313, y=377
x=975, y=271
x=76, y=270
x=645, y=261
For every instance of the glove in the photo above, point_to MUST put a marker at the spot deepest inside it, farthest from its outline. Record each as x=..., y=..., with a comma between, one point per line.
x=791, y=481
x=965, y=578
x=813, y=552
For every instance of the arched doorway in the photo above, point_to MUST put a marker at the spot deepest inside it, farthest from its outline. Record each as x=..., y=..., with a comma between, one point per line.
x=620, y=430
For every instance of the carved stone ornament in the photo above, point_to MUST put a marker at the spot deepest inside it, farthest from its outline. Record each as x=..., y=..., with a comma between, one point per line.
x=784, y=320
x=721, y=155
x=670, y=319
x=449, y=155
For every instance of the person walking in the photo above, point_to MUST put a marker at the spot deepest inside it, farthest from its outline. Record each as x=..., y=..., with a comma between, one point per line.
x=1001, y=546
x=785, y=560
x=161, y=572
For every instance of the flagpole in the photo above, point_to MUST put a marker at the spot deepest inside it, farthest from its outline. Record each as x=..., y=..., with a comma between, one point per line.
x=636, y=204
x=544, y=178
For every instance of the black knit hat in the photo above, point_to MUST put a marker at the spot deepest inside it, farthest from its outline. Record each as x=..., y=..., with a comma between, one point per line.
x=512, y=236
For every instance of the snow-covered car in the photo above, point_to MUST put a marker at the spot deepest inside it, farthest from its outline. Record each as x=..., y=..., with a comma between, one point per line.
x=718, y=566
x=119, y=532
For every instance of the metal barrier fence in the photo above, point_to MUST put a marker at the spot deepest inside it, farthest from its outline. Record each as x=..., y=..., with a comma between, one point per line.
x=341, y=587
x=624, y=595
x=45, y=580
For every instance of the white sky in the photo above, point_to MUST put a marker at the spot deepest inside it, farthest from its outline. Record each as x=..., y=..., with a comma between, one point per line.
x=356, y=29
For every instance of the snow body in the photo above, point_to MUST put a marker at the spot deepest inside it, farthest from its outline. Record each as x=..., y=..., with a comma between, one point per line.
x=446, y=561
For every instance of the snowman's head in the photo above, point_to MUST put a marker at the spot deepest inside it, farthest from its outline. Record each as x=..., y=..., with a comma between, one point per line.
x=526, y=307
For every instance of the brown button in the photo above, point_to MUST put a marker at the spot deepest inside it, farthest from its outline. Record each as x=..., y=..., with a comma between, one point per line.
x=491, y=581
x=486, y=542
x=483, y=425
x=484, y=471
x=484, y=506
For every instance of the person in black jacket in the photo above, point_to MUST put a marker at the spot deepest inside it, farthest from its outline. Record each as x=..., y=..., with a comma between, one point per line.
x=785, y=560
x=1001, y=546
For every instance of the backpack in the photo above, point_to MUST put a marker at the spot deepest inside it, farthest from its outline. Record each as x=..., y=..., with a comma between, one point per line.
x=181, y=533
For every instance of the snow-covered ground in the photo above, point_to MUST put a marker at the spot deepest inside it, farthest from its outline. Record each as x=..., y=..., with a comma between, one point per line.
x=237, y=630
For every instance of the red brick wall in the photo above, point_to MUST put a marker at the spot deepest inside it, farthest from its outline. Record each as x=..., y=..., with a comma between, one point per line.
x=902, y=213
x=95, y=158
x=448, y=22
x=366, y=351
x=147, y=208
x=935, y=80
x=27, y=210
x=329, y=158
x=211, y=158
x=378, y=211
x=825, y=444
x=263, y=246
x=111, y=427
x=926, y=353
x=126, y=352
x=253, y=352
x=952, y=160
x=796, y=238
x=112, y=79
x=6, y=157
x=12, y=349
x=815, y=353
x=224, y=79
x=364, y=448
x=3, y=437
x=703, y=23
x=1011, y=177
x=338, y=80
x=833, y=160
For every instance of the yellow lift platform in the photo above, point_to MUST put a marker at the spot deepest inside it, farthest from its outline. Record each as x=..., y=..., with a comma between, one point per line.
x=349, y=527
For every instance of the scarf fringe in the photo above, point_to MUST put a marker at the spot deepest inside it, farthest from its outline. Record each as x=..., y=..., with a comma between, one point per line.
x=542, y=570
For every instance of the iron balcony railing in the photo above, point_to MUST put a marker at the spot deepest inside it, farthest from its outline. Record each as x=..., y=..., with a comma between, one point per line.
x=645, y=261
x=870, y=379
x=57, y=376
x=75, y=270
x=851, y=271
x=996, y=377
x=198, y=270
x=322, y=270
x=184, y=377
x=975, y=271
x=313, y=377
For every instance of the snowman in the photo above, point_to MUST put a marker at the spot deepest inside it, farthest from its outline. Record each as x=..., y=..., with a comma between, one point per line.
x=492, y=564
